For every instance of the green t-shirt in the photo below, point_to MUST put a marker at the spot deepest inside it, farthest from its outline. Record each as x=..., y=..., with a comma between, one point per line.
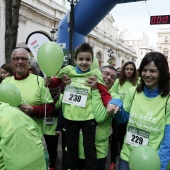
x=33, y=92
x=20, y=141
x=74, y=112
x=121, y=90
x=103, y=129
x=147, y=121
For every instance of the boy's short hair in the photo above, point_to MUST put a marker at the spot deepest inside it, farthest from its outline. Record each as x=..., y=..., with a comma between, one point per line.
x=84, y=47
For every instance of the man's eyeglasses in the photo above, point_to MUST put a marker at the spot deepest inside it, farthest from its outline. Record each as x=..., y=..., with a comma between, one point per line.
x=106, y=73
x=16, y=59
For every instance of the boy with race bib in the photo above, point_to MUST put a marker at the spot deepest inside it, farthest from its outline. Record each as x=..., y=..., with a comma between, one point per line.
x=77, y=105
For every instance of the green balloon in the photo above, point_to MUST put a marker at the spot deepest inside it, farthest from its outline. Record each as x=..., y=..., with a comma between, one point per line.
x=95, y=64
x=10, y=94
x=144, y=158
x=50, y=58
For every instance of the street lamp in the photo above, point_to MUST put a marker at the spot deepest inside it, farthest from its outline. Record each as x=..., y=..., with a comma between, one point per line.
x=71, y=30
x=53, y=32
x=111, y=59
x=110, y=53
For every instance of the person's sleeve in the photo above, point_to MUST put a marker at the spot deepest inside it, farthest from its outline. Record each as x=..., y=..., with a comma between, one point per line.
x=99, y=111
x=122, y=116
x=128, y=101
x=164, y=150
x=55, y=82
x=105, y=95
x=40, y=110
x=115, y=86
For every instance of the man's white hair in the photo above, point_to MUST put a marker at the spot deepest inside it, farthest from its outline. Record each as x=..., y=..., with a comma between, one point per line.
x=21, y=49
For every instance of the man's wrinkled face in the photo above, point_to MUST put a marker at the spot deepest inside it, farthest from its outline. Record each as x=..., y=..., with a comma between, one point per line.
x=20, y=62
x=109, y=77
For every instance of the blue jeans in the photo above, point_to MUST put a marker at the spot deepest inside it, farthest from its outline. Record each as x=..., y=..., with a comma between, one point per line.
x=123, y=165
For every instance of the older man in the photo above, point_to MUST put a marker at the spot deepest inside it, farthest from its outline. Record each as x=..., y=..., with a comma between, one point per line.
x=36, y=99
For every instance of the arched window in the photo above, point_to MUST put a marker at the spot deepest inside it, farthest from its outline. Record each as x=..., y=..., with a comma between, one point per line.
x=99, y=58
x=122, y=63
x=166, y=39
x=165, y=52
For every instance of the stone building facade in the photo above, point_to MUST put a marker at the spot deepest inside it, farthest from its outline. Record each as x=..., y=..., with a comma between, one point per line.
x=45, y=15
x=163, y=44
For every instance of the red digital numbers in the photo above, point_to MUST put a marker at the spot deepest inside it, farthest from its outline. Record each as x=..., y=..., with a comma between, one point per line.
x=161, y=19
x=165, y=20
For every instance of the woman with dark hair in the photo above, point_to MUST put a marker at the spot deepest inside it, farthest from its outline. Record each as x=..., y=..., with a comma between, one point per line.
x=148, y=109
x=6, y=70
x=118, y=70
x=126, y=79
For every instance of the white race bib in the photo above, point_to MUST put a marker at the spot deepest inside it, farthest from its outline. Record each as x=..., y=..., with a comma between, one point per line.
x=49, y=120
x=136, y=136
x=75, y=96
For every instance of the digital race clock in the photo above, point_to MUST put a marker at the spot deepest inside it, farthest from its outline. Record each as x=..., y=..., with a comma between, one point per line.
x=160, y=19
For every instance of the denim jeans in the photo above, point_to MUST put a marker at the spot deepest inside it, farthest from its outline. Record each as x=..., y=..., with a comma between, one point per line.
x=123, y=165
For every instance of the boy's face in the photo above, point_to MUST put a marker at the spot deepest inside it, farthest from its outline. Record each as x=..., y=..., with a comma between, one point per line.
x=84, y=60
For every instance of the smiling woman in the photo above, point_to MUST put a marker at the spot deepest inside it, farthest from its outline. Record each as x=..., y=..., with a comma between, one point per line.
x=154, y=118
x=150, y=75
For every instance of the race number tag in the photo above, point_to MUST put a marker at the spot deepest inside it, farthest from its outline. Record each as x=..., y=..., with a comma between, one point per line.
x=49, y=120
x=136, y=136
x=75, y=96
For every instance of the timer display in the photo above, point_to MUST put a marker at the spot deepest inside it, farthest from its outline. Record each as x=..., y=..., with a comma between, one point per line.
x=160, y=19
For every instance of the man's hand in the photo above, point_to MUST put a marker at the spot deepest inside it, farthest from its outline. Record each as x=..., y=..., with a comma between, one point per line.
x=111, y=108
x=47, y=81
x=26, y=108
x=66, y=79
x=91, y=82
x=59, y=133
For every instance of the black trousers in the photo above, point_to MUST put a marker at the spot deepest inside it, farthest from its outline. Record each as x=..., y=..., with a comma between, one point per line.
x=88, y=128
x=101, y=163
x=65, y=159
x=117, y=138
x=52, y=143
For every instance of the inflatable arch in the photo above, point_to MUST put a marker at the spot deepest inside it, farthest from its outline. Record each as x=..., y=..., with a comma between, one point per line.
x=87, y=15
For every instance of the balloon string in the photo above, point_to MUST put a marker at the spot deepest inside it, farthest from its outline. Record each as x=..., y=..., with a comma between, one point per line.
x=45, y=115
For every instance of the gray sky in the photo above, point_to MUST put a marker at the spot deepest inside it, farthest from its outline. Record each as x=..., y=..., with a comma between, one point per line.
x=135, y=16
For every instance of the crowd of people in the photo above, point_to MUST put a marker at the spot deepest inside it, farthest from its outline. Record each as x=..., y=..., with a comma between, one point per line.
x=96, y=111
